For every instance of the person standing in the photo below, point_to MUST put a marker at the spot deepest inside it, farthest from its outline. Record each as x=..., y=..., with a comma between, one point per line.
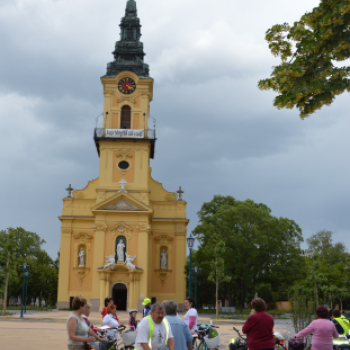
x=341, y=322
x=78, y=331
x=110, y=321
x=323, y=330
x=132, y=319
x=86, y=319
x=259, y=327
x=191, y=316
x=147, y=307
x=154, y=332
x=108, y=302
x=181, y=333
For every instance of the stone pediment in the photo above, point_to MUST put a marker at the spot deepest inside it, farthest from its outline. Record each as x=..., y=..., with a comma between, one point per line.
x=122, y=205
x=122, y=202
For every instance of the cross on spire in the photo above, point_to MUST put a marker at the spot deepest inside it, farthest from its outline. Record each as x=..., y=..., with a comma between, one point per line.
x=122, y=184
x=180, y=192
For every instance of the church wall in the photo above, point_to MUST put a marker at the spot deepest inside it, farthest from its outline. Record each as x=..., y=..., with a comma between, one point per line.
x=136, y=118
x=169, y=284
x=74, y=280
x=115, y=124
x=128, y=174
x=135, y=175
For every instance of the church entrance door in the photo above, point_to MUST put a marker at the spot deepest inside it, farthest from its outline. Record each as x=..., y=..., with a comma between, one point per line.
x=120, y=295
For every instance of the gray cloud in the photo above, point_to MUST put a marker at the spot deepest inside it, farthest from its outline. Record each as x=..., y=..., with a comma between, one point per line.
x=217, y=133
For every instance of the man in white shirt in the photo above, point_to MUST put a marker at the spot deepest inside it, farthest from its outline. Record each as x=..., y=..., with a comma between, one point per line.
x=154, y=331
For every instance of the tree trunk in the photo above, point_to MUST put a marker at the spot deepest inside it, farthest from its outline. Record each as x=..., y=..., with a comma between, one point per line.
x=316, y=293
x=6, y=283
x=341, y=305
x=217, y=295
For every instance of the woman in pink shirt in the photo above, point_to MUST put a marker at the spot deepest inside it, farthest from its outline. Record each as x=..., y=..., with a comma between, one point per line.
x=323, y=330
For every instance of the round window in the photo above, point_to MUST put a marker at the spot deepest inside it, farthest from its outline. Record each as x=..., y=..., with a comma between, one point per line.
x=123, y=165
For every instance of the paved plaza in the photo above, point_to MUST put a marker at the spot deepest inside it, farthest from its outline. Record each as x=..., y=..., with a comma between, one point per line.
x=46, y=330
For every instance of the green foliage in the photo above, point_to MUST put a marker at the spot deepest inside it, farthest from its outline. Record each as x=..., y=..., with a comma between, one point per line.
x=307, y=77
x=18, y=246
x=327, y=267
x=256, y=247
x=303, y=310
x=216, y=248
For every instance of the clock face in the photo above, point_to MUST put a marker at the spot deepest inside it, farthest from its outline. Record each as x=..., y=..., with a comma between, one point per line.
x=126, y=85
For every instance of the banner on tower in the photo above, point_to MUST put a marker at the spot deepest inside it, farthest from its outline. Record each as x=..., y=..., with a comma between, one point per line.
x=132, y=133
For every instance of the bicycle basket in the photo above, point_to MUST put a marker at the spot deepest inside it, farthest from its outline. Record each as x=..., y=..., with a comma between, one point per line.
x=212, y=343
x=129, y=337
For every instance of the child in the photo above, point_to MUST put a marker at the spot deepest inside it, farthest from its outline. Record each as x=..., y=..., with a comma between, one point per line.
x=132, y=319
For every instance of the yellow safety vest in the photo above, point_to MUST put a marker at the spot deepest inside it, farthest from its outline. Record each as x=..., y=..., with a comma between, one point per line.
x=344, y=324
x=166, y=325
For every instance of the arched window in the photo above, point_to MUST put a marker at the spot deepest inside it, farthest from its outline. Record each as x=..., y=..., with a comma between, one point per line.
x=126, y=118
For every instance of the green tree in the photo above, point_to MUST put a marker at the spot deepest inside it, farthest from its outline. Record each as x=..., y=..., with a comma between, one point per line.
x=7, y=260
x=18, y=246
x=217, y=275
x=259, y=248
x=303, y=309
x=315, y=280
x=342, y=293
x=307, y=76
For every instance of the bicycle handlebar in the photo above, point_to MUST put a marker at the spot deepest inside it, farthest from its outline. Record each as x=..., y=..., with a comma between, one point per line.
x=237, y=331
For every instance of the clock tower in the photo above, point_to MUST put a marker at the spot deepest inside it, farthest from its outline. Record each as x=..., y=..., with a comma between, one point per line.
x=124, y=235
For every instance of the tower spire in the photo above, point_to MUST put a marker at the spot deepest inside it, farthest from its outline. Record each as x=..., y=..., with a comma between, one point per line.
x=128, y=53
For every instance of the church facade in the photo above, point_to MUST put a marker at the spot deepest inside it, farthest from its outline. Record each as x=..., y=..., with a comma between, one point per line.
x=124, y=235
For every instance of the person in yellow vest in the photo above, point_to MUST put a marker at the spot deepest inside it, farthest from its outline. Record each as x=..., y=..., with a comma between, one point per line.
x=154, y=331
x=341, y=322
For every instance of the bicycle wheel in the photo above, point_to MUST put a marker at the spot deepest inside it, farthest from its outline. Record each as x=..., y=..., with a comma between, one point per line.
x=202, y=345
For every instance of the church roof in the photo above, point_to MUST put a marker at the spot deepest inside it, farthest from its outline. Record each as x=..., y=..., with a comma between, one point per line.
x=128, y=53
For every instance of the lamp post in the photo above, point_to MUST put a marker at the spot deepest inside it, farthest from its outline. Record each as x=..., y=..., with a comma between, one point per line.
x=197, y=271
x=190, y=244
x=47, y=293
x=27, y=275
x=25, y=268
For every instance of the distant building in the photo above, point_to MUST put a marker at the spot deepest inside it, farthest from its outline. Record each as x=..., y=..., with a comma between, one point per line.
x=124, y=214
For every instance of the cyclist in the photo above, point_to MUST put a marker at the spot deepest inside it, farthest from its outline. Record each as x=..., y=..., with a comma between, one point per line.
x=341, y=322
x=154, y=331
x=259, y=327
x=181, y=333
x=191, y=316
x=147, y=307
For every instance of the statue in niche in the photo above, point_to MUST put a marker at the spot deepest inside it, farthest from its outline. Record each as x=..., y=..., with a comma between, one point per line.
x=81, y=256
x=120, y=250
x=163, y=259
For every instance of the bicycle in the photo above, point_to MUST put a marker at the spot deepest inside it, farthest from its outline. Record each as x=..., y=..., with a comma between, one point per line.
x=199, y=342
x=121, y=343
x=279, y=341
x=239, y=343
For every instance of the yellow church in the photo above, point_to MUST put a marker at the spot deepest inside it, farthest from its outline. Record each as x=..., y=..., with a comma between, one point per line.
x=124, y=235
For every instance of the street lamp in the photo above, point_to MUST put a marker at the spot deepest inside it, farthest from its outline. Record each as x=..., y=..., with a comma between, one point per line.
x=190, y=244
x=25, y=268
x=47, y=293
x=197, y=271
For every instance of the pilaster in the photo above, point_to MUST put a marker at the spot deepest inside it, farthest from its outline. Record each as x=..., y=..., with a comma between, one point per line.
x=63, y=282
x=98, y=257
x=143, y=257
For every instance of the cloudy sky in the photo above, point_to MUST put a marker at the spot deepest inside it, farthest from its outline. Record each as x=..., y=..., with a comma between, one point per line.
x=217, y=132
